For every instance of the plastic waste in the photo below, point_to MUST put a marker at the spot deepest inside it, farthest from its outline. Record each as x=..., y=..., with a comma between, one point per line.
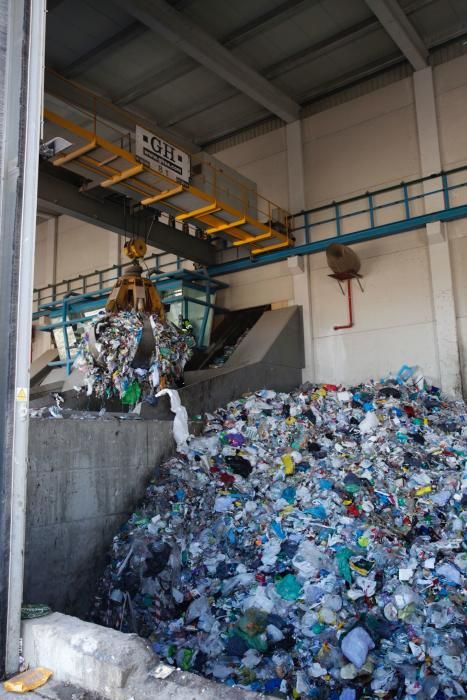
x=289, y=552
x=33, y=611
x=369, y=423
x=288, y=587
x=181, y=432
x=28, y=680
x=356, y=645
x=109, y=366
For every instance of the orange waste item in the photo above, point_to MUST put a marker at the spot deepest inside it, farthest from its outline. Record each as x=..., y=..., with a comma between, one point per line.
x=28, y=680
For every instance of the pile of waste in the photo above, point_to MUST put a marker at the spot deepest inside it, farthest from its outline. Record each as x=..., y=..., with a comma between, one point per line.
x=108, y=356
x=227, y=352
x=307, y=545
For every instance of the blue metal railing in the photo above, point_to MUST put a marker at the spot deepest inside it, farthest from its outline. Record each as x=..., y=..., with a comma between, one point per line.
x=100, y=279
x=73, y=304
x=435, y=189
x=389, y=210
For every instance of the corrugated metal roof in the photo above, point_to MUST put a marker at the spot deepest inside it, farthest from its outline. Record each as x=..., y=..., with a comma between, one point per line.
x=306, y=48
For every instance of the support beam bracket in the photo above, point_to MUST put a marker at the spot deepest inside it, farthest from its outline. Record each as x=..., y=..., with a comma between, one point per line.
x=402, y=32
x=198, y=213
x=125, y=175
x=166, y=194
x=225, y=227
x=73, y=155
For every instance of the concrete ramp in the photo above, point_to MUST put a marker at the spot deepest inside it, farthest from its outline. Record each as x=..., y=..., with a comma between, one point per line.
x=275, y=339
x=270, y=356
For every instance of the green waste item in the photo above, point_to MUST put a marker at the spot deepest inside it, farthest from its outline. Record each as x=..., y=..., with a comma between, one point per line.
x=31, y=611
x=352, y=488
x=318, y=627
x=132, y=394
x=342, y=557
x=254, y=641
x=186, y=659
x=248, y=675
x=288, y=587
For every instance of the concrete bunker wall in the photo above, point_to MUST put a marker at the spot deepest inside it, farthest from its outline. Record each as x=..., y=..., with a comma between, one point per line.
x=85, y=477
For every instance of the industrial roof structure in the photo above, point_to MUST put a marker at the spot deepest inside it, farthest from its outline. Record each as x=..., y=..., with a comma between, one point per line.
x=200, y=71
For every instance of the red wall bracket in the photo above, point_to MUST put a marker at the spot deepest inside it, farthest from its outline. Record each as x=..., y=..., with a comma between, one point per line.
x=349, y=298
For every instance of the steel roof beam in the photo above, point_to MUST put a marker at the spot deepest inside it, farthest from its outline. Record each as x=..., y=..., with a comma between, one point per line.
x=194, y=41
x=107, y=47
x=322, y=48
x=154, y=80
x=334, y=42
x=402, y=32
x=298, y=59
x=60, y=196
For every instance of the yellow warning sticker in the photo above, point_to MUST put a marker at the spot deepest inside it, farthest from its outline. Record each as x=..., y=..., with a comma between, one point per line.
x=21, y=393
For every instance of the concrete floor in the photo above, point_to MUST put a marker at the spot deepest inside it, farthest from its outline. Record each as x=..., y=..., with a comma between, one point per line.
x=52, y=690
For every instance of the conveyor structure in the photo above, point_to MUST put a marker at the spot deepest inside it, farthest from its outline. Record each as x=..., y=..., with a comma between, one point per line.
x=109, y=166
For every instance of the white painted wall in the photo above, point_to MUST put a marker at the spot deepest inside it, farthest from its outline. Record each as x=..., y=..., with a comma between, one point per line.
x=364, y=144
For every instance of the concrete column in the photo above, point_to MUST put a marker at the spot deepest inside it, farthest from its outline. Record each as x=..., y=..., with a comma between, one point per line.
x=22, y=43
x=295, y=169
x=45, y=273
x=437, y=236
x=299, y=267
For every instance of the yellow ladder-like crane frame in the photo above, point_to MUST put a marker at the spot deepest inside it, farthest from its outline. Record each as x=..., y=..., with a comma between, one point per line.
x=149, y=186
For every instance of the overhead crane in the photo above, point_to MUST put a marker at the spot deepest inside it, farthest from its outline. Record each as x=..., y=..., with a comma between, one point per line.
x=261, y=228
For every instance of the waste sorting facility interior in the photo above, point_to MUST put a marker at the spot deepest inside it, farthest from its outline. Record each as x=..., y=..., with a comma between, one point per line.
x=338, y=122
x=369, y=119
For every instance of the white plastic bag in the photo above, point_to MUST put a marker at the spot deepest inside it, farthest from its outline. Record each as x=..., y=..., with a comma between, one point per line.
x=180, y=426
x=356, y=645
x=369, y=423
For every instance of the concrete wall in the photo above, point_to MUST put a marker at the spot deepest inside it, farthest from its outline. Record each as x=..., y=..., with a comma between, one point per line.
x=85, y=478
x=367, y=143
